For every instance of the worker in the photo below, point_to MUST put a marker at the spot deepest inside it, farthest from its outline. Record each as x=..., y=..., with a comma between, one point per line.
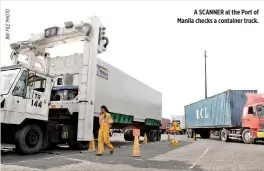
x=105, y=121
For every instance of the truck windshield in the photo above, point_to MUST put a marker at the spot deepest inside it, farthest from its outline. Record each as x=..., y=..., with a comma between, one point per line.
x=260, y=110
x=7, y=78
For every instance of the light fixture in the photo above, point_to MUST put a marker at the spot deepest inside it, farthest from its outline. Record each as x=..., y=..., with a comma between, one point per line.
x=50, y=32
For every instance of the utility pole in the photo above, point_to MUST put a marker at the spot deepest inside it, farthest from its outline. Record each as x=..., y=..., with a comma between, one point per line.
x=205, y=74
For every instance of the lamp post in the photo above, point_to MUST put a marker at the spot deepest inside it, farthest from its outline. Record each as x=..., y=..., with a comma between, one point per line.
x=205, y=74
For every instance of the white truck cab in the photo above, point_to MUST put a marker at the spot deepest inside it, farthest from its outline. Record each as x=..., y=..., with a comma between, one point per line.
x=27, y=86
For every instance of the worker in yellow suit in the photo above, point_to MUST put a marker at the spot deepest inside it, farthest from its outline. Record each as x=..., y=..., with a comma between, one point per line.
x=105, y=121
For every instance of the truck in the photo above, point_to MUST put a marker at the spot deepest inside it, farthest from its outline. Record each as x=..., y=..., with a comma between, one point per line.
x=49, y=100
x=164, y=123
x=235, y=114
x=180, y=119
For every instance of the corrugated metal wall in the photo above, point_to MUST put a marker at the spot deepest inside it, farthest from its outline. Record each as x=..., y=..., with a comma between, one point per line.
x=222, y=110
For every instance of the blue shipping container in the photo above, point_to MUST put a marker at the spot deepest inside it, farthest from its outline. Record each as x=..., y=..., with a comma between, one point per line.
x=219, y=111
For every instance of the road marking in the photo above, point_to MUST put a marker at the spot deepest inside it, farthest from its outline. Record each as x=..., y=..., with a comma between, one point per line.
x=138, y=159
x=194, y=164
x=76, y=159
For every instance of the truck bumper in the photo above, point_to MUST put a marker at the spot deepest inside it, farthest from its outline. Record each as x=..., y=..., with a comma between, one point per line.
x=260, y=134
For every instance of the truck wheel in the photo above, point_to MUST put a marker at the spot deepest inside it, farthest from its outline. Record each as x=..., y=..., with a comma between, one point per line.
x=224, y=135
x=247, y=137
x=158, y=136
x=155, y=135
x=29, y=139
x=72, y=140
x=128, y=135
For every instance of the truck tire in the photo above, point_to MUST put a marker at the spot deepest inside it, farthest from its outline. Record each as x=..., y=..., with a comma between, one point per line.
x=158, y=136
x=224, y=135
x=247, y=138
x=128, y=135
x=152, y=136
x=72, y=140
x=29, y=139
x=190, y=133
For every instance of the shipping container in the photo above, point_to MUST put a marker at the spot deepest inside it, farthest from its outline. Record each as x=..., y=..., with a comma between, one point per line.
x=125, y=95
x=219, y=111
x=180, y=120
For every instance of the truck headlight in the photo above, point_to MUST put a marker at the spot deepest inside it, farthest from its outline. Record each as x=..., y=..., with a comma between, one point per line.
x=50, y=32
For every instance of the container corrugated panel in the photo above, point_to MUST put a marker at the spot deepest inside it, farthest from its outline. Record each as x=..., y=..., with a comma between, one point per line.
x=222, y=110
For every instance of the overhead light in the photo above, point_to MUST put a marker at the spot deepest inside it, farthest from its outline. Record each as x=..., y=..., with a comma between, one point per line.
x=50, y=32
x=68, y=24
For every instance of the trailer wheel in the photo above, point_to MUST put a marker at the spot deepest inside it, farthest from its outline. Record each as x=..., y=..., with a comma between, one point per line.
x=247, y=137
x=128, y=135
x=29, y=139
x=72, y=140
x=224, y=135
x=150, y=136
x=158, y=136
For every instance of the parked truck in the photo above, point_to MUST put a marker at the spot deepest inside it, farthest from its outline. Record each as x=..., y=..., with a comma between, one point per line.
x=164, y=123
x=47, y=100
x=180, y=119
x=235, y=114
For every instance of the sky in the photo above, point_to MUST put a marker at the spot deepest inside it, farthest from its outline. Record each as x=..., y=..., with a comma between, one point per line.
x=147, y=43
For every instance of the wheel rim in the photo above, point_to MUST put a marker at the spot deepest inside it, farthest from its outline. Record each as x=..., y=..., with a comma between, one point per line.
x=223, y=135
x=32, y=139
x=248, y=136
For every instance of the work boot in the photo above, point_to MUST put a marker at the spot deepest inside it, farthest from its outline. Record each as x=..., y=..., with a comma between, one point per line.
x=99, y=154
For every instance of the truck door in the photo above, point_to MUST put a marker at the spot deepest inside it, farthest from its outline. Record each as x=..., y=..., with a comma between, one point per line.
x=18, y=100
x=250, y=118
x=38, y=95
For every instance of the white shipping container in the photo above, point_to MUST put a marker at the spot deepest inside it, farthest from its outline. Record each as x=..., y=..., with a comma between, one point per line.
x=181, y=118
x=115, y=89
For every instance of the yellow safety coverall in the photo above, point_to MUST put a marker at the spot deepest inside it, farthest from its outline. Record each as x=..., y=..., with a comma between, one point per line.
x=105, y=120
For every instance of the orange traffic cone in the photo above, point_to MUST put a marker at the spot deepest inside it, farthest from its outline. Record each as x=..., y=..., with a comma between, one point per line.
x=194, y=137
x=136, y=150
x=145, y=139
x=169, y=138
x=91, y=145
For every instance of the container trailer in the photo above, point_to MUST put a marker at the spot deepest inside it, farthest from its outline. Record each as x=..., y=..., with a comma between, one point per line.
x=48, y=100
x=235, y=114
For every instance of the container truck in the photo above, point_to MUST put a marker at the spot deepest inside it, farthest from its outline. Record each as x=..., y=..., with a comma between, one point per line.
x=164, y=123
x=48, y=100
x=235, y=114
x=180, y=119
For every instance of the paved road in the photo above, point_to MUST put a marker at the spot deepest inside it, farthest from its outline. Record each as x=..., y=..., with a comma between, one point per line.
x=190, y=155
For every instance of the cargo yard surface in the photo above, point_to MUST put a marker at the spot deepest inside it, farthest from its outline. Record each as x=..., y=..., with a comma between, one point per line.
x=203, y=154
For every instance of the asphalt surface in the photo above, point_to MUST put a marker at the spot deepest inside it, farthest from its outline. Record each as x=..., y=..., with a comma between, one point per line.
x=189, y=155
